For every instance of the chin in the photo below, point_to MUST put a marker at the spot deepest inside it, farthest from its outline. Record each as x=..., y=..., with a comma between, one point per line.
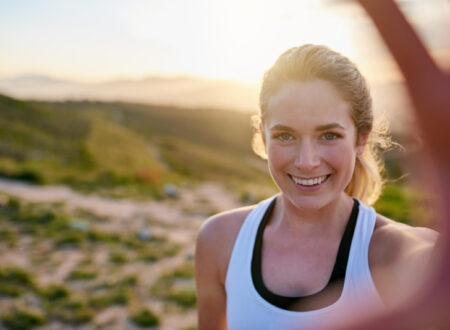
x=308, y=202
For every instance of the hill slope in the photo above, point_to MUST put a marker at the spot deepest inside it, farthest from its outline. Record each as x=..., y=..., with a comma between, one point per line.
x=96, y=145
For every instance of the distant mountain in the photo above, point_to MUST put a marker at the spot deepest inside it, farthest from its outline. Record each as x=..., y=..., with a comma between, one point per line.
x=188, y=92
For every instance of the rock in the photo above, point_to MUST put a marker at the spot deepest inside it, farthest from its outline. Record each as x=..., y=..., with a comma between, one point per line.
x=171, y=190
x=144, y=234
x=79, y=224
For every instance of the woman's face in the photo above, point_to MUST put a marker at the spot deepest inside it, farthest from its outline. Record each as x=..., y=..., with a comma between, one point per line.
x=310, y=142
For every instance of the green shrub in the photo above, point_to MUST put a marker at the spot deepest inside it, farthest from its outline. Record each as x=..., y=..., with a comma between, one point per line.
x=398, y=202
x=150, y=255
x=14, y=204
x=8, y=236
x=185, y=271
x=118, y=258
x=23, y=319
x=28, y=176
x=169, y=287
x=183, y=297
x=144, y=317
x=73, y=312
x=155, y=251
x=54, y=292
x=116, y=297
x=37, y=217
x=82, y=274
x=10, y=290
x=70, y=238
x=17, y=276
x=100, y=236
x=132, y=243
x=129, y=280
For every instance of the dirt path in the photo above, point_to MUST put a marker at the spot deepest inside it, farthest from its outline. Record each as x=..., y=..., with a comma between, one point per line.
x=210, y=193
x=177, y=219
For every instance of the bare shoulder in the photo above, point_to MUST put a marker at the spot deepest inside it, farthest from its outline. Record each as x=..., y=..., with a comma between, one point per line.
x=393, y=240
x=217, y=235
x=399, y=257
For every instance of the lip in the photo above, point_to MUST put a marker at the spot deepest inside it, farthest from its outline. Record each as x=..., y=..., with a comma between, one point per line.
x=309, y=188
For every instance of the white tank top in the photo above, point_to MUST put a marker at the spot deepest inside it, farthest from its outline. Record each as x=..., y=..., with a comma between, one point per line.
x=247, y=310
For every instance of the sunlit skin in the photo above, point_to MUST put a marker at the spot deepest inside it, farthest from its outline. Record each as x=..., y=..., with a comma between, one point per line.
x=309, y=134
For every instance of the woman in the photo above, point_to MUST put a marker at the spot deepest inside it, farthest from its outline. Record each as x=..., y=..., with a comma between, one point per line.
x=310, y=253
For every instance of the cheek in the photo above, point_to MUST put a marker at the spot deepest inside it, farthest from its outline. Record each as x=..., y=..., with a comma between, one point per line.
x=277, y=156
x=342, y=157
x=278, y=159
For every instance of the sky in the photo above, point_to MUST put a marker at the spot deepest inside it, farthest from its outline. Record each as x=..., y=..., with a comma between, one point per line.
x=98, y=40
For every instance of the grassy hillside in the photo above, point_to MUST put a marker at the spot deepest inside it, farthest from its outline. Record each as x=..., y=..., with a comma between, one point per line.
x=131, y=148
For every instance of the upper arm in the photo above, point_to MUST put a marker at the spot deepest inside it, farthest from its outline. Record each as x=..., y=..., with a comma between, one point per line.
x=400, y=258
x=212, y=253
x=417, y=256
x=211, y=299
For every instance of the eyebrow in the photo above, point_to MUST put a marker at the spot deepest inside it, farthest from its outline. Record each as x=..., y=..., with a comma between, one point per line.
x=318, y=128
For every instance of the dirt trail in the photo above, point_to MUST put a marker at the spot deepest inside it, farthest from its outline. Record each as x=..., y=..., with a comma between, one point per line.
x=178, y=219
x=170, y=211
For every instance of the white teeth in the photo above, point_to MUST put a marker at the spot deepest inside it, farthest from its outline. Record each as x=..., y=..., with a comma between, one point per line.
x=309, y=182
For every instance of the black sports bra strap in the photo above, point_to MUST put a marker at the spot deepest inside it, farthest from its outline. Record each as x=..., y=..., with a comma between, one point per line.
x=337, y=274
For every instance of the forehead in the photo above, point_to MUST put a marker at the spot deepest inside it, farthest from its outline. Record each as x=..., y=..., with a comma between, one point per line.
x=310, y=103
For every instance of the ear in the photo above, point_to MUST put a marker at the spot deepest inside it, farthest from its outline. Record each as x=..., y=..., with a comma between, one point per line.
x=261, y=131
x=361, y=143
x=263, y=135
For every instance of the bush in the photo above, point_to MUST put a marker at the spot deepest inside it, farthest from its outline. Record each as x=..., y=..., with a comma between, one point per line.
x=398, y=202
x=155, y=250
x=82, y=274
x=8, y=236
x=73, y=312
x=117, y=258
x=37, y=217
x=54, y=292
x=16, y=276
x=100, y=236
x=183, y=297
x=28, y=176
x=127, y=281
x=10, y=290
x=13, y=204
x=22, y=319
x=117, y=297
x=176, y=287
x=185, y=271
x=71, y=238
x=144, y=318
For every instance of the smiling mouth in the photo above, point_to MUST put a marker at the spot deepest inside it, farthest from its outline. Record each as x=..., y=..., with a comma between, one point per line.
x=309, y=182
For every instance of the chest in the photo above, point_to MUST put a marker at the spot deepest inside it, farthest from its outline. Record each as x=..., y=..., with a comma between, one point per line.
x=297, y=267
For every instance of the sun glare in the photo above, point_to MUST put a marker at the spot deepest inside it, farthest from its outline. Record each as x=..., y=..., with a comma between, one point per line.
x=238, y=39
x=261, y=31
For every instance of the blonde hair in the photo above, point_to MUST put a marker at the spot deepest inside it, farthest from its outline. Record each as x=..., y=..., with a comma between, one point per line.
x=309, y=62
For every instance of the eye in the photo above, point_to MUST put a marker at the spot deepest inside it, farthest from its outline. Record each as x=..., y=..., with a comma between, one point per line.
x=330, y=136
x=284, y=137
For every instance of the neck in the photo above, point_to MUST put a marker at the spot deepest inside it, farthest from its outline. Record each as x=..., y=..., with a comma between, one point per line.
x=331, y=218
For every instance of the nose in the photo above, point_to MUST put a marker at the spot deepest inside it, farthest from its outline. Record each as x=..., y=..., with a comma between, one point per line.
x=307, y=157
